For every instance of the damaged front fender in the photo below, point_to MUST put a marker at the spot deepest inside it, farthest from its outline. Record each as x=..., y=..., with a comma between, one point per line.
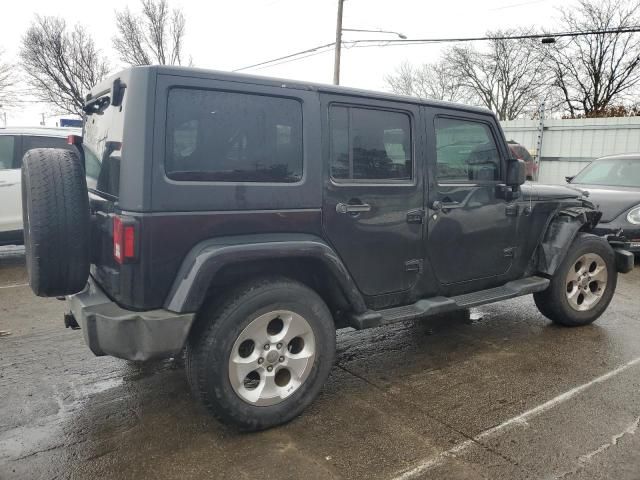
x=560, y=233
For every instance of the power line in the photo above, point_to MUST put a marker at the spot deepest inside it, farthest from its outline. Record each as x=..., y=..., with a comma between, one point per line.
x=327, y=50
x=309, y=50
x=577, y=33
x=516, y=5
x=377, y=42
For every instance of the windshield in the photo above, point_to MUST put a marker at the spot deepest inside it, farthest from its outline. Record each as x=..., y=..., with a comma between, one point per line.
x=614, y=172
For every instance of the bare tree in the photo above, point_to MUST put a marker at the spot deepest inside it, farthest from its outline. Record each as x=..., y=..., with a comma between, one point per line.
x=7, y=79
x=430, y=80
x=507, y=77
x=61, y=65
x=155, y=36
x=595, y=71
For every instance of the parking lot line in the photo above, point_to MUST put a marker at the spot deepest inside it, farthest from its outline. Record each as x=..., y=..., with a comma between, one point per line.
x=521, y=419
x=14, y=286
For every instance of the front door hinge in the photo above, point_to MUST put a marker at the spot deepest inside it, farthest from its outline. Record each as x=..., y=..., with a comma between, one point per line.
x=413, y=266
x=415, y=216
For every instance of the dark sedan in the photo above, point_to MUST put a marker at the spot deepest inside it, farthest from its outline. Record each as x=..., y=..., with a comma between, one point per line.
x=613, y=184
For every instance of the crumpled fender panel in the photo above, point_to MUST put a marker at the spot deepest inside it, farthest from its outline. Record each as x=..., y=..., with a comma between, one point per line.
x=560, y=234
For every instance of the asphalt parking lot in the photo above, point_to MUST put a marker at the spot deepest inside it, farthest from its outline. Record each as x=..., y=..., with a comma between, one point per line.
x=498, y=392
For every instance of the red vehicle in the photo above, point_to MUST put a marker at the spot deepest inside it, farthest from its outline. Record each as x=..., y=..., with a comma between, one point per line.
x=521, y=153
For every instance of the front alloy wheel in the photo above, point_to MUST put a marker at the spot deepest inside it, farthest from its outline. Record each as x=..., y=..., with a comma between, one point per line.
x=586, y=282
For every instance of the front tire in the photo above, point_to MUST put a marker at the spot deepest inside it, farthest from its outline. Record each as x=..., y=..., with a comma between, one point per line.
x=258, y=359
x=582, y=286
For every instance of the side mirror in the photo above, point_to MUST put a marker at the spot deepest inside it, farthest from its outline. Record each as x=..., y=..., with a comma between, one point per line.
x=516, y=173
x=568, y=179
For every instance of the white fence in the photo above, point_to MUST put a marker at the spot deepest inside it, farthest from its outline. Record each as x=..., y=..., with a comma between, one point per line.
x=569, y=145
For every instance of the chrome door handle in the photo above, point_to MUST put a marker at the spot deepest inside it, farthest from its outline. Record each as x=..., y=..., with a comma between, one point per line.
x=355, y=208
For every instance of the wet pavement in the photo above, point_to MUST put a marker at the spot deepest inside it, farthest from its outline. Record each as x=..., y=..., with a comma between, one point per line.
x=499, y=393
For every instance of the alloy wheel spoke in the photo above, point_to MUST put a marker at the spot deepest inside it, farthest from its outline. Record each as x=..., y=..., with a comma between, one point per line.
x=293, y=328
x=599, y=274
x=297, y=364
x=241, y=367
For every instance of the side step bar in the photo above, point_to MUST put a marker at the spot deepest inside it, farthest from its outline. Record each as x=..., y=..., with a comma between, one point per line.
x=436, y=305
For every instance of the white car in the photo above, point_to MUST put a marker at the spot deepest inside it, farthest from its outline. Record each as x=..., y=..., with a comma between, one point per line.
x=14, y=142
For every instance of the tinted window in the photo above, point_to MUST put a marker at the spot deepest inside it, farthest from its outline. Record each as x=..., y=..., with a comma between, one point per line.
x=7, y=150
x=466, y=151
x=370, y=144
x=102, y=145
x=223, y=136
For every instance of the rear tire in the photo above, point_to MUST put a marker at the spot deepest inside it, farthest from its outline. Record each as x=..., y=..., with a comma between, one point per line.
x=582, y=286
x=241, y=363
x=55, y=212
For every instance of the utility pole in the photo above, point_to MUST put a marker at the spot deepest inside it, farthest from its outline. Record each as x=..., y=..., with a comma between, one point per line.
x=336, y=64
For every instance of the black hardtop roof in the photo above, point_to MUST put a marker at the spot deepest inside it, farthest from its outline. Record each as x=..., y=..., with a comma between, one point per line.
x=104, y=86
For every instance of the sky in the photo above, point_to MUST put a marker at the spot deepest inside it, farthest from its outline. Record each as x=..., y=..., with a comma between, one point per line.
x=227, y=35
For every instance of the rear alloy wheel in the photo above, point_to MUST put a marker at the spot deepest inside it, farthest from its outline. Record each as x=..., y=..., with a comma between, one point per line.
x=257, y=356
x=583, y=284
x=272, y=358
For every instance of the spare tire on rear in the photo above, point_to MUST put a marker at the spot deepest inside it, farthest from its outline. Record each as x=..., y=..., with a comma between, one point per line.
x=55, y=211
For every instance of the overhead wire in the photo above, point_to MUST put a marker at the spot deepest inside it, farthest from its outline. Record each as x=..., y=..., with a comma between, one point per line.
x=377, y=42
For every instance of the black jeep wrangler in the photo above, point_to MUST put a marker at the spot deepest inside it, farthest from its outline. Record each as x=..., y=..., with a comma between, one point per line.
x=246, y=218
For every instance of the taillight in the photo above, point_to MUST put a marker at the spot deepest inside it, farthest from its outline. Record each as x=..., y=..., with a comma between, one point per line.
x=74, y=140
x=124, y=239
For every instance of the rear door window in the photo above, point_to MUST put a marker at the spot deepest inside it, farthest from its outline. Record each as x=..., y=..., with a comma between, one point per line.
x=233, y=137
x=465, y=151
x=7, y=151
x=370, y=144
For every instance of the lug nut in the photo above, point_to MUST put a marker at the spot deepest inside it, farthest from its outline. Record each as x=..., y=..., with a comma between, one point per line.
x=269, y=368
x=260, y=360
x=279, y=346
x=267, y=346
x=281, y=359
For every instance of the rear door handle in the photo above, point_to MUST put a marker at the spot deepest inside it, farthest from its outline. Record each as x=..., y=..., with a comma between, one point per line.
x=353, y=208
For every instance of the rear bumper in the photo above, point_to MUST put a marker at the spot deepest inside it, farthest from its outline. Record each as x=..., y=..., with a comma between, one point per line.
x=111, y=330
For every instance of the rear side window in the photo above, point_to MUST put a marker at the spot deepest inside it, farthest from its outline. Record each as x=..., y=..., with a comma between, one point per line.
x=233, y=137
x=368, y=144
x=465, y=151
x=7, y=151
